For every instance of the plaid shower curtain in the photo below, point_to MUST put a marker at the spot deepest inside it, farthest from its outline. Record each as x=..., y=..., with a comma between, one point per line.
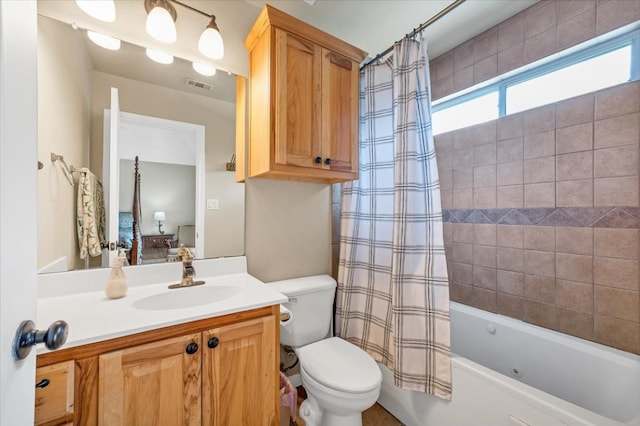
x=393, y=293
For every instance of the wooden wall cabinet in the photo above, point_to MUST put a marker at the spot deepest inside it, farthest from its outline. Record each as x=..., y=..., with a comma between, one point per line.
x=214, y=372
x=303, y=101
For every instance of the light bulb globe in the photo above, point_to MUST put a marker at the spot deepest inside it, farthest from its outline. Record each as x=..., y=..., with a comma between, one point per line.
x=159, y=56
x=204, y=69
x=160, y=25
x=104, y=41
x=210, y=43
x=104, y=10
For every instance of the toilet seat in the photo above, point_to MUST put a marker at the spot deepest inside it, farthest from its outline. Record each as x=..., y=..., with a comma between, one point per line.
x=340, y=365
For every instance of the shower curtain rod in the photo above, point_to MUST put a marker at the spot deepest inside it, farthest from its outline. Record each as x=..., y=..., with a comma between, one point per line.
x=424, y=25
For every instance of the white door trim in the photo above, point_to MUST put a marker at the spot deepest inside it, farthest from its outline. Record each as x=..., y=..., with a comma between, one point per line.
x=194, y=131
x=18, y=203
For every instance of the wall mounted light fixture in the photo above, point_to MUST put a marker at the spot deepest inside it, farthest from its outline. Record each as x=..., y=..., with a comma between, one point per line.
x=160, y=217
x=160, y=24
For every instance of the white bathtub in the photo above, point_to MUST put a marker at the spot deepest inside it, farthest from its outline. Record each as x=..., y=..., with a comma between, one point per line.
x=520, y=375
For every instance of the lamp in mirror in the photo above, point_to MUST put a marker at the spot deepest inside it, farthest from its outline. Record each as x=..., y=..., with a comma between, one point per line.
x=159, y=56
x=104, y=41
x=160, y=217
x=103, y=10
x=204, y=69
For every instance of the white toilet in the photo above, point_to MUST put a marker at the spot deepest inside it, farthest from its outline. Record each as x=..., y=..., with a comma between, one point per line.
x=341, y=379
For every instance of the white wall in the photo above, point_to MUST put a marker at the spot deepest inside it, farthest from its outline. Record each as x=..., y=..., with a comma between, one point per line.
x=64, y=97
x=164, y=190
x=288, y=229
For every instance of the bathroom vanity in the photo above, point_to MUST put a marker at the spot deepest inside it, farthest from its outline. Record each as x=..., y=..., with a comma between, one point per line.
x=206, y=355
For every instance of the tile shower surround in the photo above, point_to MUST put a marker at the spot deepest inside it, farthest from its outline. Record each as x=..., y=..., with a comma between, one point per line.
x=542, y=208
x=542, y=215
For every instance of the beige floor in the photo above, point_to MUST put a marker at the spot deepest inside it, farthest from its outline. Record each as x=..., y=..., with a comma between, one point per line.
x=374, y=416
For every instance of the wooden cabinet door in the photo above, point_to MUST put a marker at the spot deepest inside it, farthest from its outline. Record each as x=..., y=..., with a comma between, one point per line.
x=297, y=82
x=54, y=393
x=340, y=92
x=240, y=374
x=154, y=384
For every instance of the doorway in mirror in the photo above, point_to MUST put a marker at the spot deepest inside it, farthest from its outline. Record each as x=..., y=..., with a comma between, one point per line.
x=171, y=164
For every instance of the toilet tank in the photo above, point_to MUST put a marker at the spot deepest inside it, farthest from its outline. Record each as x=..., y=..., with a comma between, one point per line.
x=311, y=306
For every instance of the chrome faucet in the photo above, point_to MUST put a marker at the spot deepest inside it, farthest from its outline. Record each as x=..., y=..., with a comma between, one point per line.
x=188, y=271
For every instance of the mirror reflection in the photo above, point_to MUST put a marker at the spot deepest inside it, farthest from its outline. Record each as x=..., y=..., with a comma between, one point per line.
x=185, y=194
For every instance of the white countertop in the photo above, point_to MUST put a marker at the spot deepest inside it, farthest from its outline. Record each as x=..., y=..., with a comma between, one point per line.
x=92, y=317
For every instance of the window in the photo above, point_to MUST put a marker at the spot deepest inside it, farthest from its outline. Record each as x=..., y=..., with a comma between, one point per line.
x=467, y=113
x=587, y=76
x=593, y=68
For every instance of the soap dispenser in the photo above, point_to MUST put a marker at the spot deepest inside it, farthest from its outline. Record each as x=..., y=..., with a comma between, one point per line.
x=117, y=285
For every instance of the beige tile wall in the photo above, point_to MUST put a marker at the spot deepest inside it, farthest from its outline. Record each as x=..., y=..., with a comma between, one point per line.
x=578, y=153
x=582, y=281
x=574, y=153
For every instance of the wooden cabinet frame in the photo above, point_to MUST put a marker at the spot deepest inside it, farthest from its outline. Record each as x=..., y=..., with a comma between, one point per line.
x=303, y=101
x=87, y=366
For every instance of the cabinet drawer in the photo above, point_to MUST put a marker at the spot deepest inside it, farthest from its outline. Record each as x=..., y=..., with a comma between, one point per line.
x=156, y=241
x=54, y=396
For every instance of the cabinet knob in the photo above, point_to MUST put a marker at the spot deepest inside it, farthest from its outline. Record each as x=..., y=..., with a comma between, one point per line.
x=43, y=383
x=213, y=342
x=319, y=160
x=192, y=348
x=27, y=336
x=327, y=161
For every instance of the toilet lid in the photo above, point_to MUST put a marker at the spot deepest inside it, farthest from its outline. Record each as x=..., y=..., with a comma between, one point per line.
x=340, y=365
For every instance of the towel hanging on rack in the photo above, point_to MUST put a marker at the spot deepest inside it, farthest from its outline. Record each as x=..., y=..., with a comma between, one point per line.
x=90, y=214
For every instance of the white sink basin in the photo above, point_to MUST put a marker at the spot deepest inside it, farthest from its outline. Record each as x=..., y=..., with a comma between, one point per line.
x=186, y=297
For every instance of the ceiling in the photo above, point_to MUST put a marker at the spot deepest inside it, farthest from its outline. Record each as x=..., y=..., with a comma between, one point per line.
x=371, y=25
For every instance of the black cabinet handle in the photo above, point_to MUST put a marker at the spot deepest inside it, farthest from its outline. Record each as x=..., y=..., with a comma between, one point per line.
x=213, y=342
x=327, y=161
x=192, y=348
x=318, y=160
x=43, y=383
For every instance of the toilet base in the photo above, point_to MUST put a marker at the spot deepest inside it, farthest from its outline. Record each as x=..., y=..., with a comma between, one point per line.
x=313, y=416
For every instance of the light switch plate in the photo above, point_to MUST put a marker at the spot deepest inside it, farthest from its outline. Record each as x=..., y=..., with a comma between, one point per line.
x=212, y=204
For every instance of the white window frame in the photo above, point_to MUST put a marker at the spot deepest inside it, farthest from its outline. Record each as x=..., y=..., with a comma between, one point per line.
x=563, y=60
